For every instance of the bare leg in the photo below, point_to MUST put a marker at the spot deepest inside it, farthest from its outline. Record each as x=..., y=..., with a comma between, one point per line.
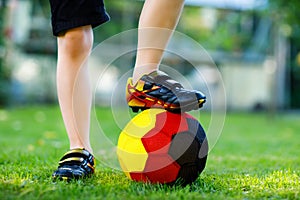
x=157, y=22
x=73, y=84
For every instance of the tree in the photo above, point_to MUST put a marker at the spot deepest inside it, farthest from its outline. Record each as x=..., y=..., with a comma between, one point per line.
x=286, y=15
x=4, y=72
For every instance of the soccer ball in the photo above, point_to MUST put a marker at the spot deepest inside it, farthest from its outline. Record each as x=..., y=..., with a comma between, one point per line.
x=158, y=146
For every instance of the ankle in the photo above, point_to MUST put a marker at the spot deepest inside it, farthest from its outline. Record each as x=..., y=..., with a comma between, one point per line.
x=89, y=149
x=139, y=71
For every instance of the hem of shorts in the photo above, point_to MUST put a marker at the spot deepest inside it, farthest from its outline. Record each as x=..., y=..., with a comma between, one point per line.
x=67, y=25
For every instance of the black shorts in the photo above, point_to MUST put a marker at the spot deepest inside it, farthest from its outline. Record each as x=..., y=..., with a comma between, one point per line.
x=68, y=14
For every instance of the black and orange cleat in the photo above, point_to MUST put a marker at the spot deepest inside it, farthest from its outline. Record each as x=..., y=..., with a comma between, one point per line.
x=158, y=90
x=75, y=164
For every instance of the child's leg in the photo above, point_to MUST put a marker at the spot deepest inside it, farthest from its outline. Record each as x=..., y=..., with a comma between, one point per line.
x=157, y=22
x=73, y=84
x=149, y=87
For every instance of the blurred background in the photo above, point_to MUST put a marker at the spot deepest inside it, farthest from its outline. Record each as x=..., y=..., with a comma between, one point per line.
x=254, y=43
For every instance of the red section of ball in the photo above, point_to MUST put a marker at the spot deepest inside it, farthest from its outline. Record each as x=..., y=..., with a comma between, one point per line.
x=172, y=123
x=138, y=176
x=167, y=124
x=161, y=169
x=156, y=141
x=157, y=161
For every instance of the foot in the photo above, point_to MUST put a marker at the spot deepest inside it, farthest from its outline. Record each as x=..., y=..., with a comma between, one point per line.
x=75, y=164
x=158, y=90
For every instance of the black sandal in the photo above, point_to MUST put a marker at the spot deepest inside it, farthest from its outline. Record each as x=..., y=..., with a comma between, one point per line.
x=75, y=164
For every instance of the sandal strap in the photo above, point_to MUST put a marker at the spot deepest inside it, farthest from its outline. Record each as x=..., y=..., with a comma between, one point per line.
x=80, y=157
x=161, y=78
x=76, y=152
x=71, y=160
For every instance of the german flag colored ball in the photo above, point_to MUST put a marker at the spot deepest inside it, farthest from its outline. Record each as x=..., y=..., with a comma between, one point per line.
x=158, y=146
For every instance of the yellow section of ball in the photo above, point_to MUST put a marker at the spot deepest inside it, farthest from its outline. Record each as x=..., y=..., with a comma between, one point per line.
x=131, y=152
x=142, y=123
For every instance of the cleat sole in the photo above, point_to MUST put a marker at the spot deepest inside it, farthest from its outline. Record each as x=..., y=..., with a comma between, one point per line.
x=135, y=109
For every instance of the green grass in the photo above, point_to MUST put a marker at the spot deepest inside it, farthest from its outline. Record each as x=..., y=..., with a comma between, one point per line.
x=255, y=158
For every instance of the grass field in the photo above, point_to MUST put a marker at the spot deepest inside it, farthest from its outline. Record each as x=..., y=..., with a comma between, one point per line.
x=255, y=158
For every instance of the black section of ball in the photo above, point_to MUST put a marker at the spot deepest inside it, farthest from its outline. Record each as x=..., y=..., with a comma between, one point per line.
x=189, y=149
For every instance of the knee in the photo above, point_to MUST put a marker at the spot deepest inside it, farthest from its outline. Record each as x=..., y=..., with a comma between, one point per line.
x=77, y=42
x=176, y=1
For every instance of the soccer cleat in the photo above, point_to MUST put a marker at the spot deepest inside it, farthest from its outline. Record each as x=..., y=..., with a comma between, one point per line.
x=75, y=164
x=158, y=90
